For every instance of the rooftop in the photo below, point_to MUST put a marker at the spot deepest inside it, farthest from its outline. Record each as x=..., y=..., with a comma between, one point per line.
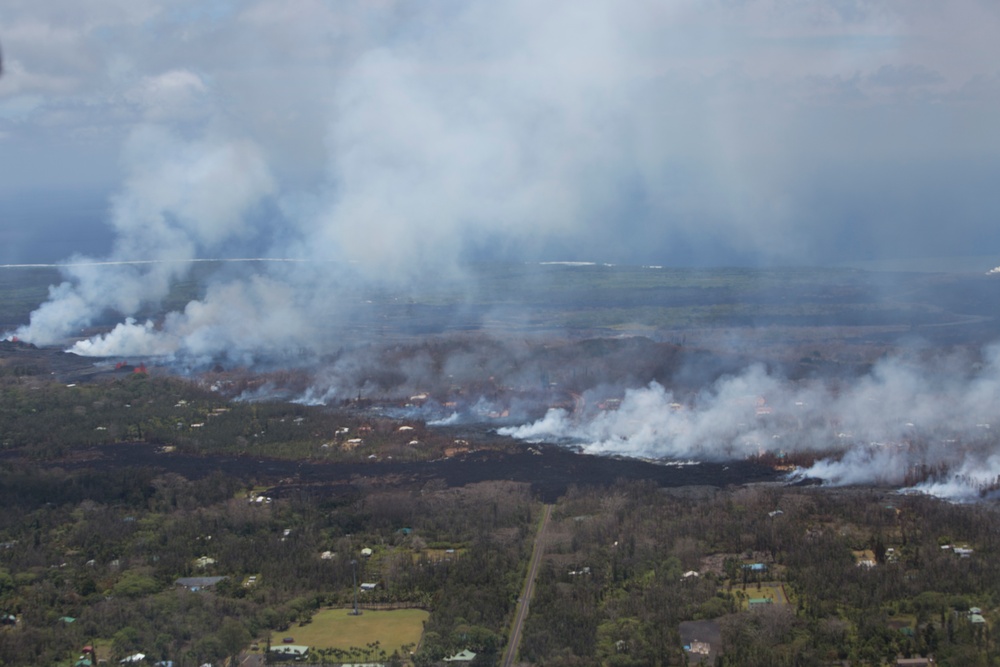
x=195, y=583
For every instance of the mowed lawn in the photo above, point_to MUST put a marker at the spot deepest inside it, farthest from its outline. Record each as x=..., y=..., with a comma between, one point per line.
x=773, y=591
x=337, y=628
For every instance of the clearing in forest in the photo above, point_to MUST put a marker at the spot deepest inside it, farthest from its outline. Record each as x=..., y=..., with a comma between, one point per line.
x=773, y=591
x=339, y=629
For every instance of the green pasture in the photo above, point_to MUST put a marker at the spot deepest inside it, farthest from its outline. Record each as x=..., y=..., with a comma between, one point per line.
x=338, y=629
x=774, y=592
x=764, y=590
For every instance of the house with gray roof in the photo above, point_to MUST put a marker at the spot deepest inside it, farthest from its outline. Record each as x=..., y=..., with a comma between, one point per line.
x=197, y=583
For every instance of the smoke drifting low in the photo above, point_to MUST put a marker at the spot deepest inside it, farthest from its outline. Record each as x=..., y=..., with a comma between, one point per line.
x=183, y=198
x=922, y=425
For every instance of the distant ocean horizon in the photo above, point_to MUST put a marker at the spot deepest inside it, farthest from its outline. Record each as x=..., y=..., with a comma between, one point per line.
x=959, y=264
x=954, y=264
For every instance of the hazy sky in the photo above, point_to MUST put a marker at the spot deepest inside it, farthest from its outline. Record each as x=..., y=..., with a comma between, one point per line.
x=401, y=133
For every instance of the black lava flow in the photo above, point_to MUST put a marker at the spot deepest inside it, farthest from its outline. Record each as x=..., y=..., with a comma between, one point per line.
x=549, y=469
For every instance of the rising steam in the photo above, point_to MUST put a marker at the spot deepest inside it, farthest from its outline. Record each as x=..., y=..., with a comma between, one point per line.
x=182, y=199
x=905, y=423
x=450, y=131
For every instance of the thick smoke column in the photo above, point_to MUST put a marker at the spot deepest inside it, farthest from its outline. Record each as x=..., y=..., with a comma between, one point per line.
x=204, y=329
x=183, y=198
x=509, y=126
x=392, y=141
x=902, y=423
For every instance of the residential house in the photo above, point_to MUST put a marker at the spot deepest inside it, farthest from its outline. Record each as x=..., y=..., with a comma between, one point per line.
x=465, y=656
x=195, y=584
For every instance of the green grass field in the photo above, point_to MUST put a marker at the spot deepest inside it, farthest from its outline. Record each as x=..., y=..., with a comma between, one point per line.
x=336, y=628
x=773, y=591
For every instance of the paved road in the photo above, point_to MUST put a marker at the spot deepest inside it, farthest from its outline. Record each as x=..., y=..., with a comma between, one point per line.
x=529, y=588
x=251, y=659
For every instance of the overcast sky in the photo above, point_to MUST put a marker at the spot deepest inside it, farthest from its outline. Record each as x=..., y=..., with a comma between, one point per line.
x=392, y=133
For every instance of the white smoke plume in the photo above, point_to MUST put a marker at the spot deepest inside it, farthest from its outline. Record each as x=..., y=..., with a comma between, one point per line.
x=396, y=139
x=927, y=423
x=205, y=331
x=183, y=198
x=436, y=147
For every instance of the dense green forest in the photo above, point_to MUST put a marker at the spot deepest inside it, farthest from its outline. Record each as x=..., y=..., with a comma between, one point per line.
x=111, y=563
x=859, y=575
x=856, y=575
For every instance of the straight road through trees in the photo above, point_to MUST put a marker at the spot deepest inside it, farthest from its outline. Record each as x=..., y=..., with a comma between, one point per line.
x=529, y=588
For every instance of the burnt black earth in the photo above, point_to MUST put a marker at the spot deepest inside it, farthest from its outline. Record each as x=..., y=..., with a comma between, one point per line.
x=549, y=469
